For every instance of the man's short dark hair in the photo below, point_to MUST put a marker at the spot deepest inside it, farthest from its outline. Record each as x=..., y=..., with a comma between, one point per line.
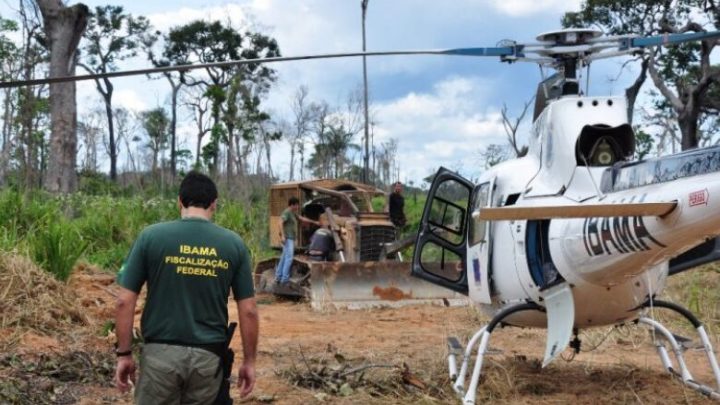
x=197, y=190
x=293, y=201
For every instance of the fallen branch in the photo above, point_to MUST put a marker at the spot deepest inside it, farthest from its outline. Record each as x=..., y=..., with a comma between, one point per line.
x=362, y=368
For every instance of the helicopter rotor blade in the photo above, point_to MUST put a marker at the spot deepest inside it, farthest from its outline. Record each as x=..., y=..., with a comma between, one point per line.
x=509, y=51
x=671, y=39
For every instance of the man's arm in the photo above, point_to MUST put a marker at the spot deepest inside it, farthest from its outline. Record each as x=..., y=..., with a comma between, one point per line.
x=249, y=327
x=307, y=220
x=124, y=320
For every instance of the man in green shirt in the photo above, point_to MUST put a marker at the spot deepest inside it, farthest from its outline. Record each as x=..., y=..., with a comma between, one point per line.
x=288, y=231
x=189, y=265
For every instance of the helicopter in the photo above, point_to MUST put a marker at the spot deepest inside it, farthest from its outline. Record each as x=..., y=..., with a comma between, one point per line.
x=574, y=234
x=571, y=236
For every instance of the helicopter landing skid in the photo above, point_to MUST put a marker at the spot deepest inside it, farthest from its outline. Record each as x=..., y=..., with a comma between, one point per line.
x=682, y=371
x=483, y=336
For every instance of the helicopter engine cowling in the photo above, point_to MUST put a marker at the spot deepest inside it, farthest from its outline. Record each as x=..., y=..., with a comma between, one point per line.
x=574, y=128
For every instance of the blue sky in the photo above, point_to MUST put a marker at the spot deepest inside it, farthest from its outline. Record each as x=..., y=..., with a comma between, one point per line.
x=442, y=110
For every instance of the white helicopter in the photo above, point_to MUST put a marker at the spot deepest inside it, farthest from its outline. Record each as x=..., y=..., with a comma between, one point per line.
x=571, y=236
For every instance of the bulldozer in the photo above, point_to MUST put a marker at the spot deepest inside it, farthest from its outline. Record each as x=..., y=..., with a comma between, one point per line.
x=365, y=268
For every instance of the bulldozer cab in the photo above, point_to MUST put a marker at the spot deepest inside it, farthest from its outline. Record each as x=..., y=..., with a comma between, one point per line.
x=349, y=202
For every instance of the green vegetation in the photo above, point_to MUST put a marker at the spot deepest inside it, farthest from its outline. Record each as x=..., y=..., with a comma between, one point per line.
x=58, y=231
x=57, y=247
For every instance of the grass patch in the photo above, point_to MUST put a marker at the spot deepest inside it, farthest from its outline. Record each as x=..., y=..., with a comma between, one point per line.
x=56, y=247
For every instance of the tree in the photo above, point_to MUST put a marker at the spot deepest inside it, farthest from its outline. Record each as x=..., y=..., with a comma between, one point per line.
x=494, y=154
x=112, y=36
x=337, y=141
x=511, y=127
x=644, y=143
x=63, y=27
x=269, y=132
x=127, y=127
x=31, y=102
x=168, y=58
x=319, y=162
x=9, y=56
x=199, y=106
x=302, y=116
x=155, y=122
x=205, y=42
x=387, y=161
x=90, y=132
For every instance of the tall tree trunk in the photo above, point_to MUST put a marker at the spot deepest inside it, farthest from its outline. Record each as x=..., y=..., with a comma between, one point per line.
x=26, y=135
x=231, y=155
x=216, y=143
x=173, y=124
x=267, y=154
x=632, y=92
x=63, y=27
x=688, y=122
x=197, y=148
x=112, y=147
x=292, y=161
x=8, y=112
x=258, y=160
x=301, y=151
x=153, y=169
x=200, y=134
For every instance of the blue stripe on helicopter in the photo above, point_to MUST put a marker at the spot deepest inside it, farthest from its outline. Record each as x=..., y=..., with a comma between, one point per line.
x=503, y=51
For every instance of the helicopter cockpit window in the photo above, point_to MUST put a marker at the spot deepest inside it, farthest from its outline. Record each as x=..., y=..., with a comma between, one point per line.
x=441, y=262
x=448, y=211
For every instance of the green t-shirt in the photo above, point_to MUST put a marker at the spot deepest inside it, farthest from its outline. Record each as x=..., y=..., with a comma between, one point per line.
x=189, y=265
x=289, y=223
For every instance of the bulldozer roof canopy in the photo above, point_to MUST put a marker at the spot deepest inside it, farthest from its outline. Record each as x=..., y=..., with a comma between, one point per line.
x=331, y=184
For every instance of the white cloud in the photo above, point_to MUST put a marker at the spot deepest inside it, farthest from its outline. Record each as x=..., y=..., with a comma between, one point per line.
x=525, y=8
x=169, y=19
x=130, y=99
x=444, y=127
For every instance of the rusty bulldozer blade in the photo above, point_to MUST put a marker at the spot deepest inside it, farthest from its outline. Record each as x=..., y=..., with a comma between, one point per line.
x=372, y=284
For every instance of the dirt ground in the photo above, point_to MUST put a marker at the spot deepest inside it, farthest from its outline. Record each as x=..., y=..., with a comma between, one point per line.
x=380, y=356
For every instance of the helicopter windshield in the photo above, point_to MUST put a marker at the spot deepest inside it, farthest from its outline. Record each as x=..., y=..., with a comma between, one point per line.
x=659, y=170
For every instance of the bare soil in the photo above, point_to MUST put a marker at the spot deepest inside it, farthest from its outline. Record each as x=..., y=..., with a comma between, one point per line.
x=381, y=356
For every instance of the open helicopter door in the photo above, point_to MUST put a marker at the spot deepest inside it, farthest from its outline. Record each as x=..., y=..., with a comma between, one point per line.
x=441, y=245
x=480, y=244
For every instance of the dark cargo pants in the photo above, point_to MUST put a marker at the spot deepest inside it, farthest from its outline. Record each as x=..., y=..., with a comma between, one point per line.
x=172, y=374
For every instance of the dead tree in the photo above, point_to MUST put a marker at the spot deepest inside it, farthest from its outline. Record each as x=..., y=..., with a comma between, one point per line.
x=63, y=28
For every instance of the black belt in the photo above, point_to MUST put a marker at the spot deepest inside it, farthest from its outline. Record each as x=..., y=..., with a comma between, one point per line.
x=217, y=349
